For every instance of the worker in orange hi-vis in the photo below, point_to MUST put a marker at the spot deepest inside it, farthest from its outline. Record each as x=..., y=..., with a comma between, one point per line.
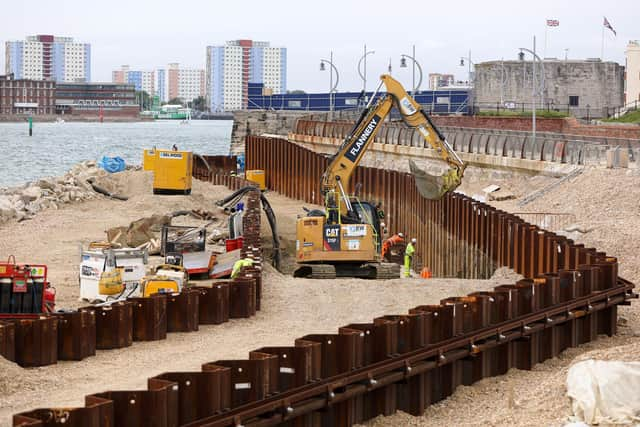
x=391, y=241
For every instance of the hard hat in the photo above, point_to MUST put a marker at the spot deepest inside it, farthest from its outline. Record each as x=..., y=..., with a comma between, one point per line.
x=400, y=234
x=383, y=225
x=414, y=240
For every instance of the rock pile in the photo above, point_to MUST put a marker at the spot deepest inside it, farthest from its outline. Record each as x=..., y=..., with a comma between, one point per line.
x=49, y=193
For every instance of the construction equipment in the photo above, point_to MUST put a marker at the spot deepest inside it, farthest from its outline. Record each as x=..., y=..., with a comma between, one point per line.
x=100, y=259
x=345, y=238
x=257, y=176
x=24, y=290
x=168, y=278
x=171, y=171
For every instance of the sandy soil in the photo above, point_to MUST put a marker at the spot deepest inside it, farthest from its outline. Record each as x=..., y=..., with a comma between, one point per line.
x=518, y=398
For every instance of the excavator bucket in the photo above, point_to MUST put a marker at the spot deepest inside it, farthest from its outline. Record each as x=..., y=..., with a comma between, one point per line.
x=435, y=187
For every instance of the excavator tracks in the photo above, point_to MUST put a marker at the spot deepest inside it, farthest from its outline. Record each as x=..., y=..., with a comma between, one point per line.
x=315, y=271
x=380, y=271
x=386, y=270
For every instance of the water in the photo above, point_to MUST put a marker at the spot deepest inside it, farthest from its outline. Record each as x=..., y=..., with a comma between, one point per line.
x=55, y=147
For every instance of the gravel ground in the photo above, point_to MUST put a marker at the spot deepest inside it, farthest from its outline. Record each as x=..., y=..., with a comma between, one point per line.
x=606, y=201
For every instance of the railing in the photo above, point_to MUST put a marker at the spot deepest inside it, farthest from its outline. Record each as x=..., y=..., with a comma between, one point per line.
x=548, y=220
x=548, y=146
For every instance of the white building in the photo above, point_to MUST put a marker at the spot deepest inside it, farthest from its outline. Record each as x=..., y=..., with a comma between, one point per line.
x=632, y=83
x=46, y=57
x=185, y=83
x=231, y=67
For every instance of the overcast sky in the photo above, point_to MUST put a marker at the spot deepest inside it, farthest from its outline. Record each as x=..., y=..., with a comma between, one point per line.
x=146, y=34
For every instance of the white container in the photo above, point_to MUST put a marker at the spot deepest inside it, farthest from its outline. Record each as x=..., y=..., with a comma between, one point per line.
x=132, y=261
x=179, y=277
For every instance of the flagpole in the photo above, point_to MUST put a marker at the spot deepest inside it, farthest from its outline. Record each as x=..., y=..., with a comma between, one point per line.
x=602, y=45
x=546, y=30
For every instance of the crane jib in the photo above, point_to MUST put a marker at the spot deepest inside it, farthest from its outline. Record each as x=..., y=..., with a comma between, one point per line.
x=361, y=140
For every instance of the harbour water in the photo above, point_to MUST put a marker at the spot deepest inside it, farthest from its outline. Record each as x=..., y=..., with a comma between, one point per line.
x=55, y=147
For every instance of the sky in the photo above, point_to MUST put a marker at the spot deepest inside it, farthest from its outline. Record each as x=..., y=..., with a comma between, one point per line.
x=148, y=34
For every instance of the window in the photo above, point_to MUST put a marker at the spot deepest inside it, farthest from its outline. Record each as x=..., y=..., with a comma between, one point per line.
x=574, y=101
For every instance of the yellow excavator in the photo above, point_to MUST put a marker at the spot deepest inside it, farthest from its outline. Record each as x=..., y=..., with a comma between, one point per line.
x=345, y=239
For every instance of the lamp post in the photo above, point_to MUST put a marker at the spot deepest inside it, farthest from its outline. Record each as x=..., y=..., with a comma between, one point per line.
x=403, y=64
x=471, y=85
x=469, y=64
x=533, y=84
x=363, y=74
x=332, y=87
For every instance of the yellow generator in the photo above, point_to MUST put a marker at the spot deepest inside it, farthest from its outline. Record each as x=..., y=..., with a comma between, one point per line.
x=149, y=160
x=155, y=285
x=172, y=172
x=258, y=177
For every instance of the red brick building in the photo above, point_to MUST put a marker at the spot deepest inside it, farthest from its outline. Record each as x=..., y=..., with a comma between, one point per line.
x=28, y=97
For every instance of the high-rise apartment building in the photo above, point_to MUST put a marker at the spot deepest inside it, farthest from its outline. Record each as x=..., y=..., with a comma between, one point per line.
x=632, y=83
x=142, y=80
x=47, y=57
x=184, y=83
x=231, y=67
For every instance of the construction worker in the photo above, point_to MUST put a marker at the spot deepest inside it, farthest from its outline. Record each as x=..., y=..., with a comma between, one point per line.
x=391, y=241
x=237, y=266
x=408, y=257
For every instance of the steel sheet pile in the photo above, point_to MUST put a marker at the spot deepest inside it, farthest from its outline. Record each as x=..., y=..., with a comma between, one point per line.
x=403, y=361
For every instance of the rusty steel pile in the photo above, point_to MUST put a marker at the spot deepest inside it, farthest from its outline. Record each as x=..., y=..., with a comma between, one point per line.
x=570, y=294
x=75, y=335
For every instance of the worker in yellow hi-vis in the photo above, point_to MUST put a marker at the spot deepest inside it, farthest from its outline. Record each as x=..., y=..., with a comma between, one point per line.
x=237, y=266
x=408, y=257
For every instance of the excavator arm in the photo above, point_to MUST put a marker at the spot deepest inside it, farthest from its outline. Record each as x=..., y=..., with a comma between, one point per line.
x=342, y=165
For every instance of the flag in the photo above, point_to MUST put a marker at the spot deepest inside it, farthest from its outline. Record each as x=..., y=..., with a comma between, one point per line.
x=608, y=25
x=553, y=23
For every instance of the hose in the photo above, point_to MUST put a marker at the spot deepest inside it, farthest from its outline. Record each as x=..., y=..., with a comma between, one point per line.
x=101, y=190
x=271, y=217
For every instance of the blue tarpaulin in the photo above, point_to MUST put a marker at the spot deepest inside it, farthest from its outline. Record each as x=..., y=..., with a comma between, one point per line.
x=112, y=164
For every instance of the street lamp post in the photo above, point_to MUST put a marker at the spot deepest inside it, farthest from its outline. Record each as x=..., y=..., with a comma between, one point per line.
x=533, y=84
x=363, y=74
x=332, y=87
x=469, y=64
x=471, y=85
x=403, y=64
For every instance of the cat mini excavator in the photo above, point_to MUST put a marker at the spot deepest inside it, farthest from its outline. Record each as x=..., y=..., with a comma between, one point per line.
x=345, y=239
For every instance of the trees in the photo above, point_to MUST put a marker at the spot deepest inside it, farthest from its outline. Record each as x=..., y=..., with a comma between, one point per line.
x=143, y=99
x=199, y=104
x=176, y=101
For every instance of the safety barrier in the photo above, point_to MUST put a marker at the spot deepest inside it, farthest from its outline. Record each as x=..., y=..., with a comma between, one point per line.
x=77, y=334
x=547, y=146
x=569, y=295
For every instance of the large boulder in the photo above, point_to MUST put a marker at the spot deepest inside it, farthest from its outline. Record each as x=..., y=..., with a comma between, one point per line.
x=32, y=193
x=6, y=203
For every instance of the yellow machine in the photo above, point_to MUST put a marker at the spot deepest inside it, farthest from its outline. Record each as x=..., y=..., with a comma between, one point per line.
x=153, y=285
x=149, y=160
x=257, y=176
x=171, y=171
x=345, y=238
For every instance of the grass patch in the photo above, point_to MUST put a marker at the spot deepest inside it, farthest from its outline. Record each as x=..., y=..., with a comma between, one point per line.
x=630, y=117
x=512, y=113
